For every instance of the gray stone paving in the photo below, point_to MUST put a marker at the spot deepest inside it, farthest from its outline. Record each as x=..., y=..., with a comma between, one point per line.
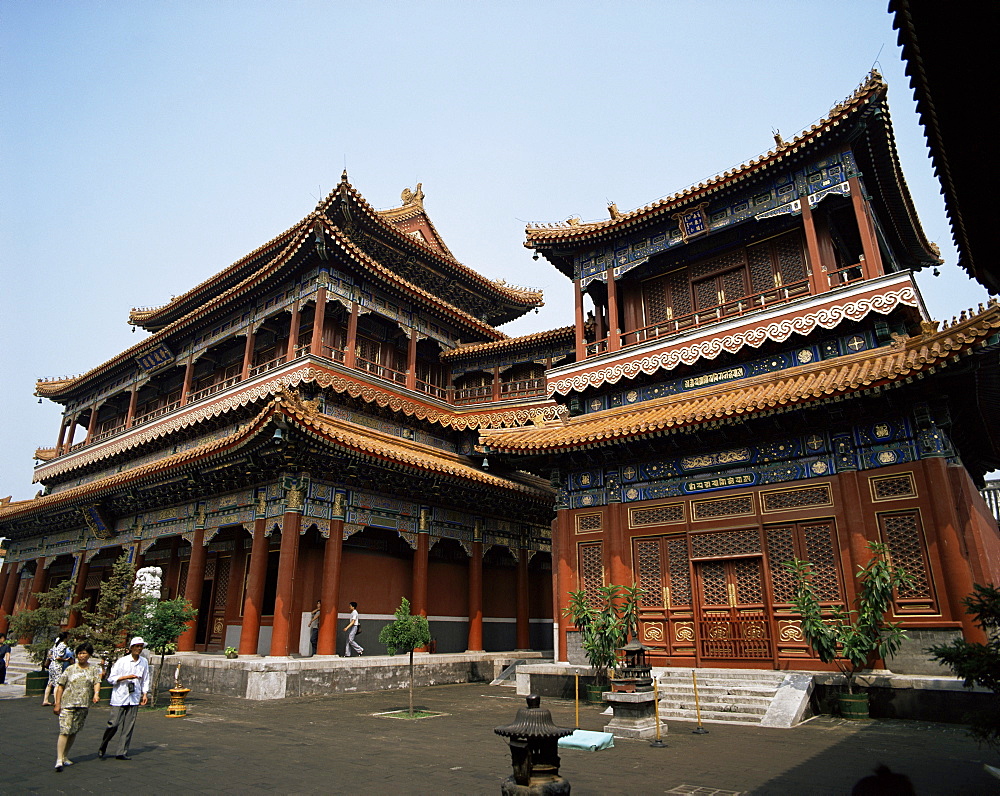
x=336, y=744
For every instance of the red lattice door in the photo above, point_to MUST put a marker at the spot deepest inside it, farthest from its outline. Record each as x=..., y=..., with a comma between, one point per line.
x=733, y=621
x=666, y=615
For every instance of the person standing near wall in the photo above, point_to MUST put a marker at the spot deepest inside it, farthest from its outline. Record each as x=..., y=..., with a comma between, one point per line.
x=4, y=657
x=314, y=626
x=130, y=678
x=353, y=629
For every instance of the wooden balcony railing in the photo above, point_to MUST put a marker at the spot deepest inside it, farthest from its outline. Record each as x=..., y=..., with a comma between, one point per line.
x=155, y=413
x=264, y=367
x=382, y=371
x=522, y=389
x=472, y=395
x=432, y=390
x=212, y=389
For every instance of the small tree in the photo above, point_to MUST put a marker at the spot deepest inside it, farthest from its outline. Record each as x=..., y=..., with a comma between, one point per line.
x=405, y=634
x=979, y=664
x=164, y=624
x=605, y=624
x=855, y=639
x=41, y=624
x=118, y=613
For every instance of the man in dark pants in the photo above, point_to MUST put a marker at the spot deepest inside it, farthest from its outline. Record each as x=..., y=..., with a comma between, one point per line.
x=130, y=678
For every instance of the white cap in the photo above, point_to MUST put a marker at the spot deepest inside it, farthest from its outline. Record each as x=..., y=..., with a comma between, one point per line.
x=136, y=640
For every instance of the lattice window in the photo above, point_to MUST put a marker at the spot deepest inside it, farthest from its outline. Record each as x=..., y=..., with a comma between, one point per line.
x=725, y=543
x=713, y=583
x=656, y=515
x=819, y=548
x=222, y=583
x=904, y=536
x=706, y=294
x=791, y=263
x=723, y=507
x=586, y=523
x=787, y=499
x=781, y=548
x=680, y=572
x=893, y=487
x=680, y=293
x=182, y=580
x=94, y=579
x=761, y=271
x=732, y=285
x=649, y=572
x=656, y=301
x=210, y=569
x=749, y=589
x=591, y=569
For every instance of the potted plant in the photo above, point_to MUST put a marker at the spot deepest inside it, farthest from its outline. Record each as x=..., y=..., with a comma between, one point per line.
x=232, y=652
x=605, y=623
x=854, y=639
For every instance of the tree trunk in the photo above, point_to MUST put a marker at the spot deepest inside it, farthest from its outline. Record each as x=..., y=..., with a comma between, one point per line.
x=411, y=683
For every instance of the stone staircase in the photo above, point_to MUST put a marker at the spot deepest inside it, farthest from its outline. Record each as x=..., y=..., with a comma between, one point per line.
x=736, y=696
x=20, y=664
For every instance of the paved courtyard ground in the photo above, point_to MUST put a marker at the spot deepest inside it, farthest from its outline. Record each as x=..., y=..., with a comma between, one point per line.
x=336, y=745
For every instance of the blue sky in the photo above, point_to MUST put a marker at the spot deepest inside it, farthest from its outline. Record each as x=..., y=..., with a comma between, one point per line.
x=146, y=145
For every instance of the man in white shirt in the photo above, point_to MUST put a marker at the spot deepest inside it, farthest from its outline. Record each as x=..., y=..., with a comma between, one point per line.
x=130, y=678
x=352, y=629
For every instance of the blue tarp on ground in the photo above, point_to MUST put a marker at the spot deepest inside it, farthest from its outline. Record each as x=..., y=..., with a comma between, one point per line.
x=587, y=740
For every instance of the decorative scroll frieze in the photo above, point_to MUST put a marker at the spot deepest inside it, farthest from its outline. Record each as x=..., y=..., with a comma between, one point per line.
x=754, y=335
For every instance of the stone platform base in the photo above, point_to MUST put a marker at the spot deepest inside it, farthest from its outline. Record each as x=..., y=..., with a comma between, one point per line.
x=261, y=678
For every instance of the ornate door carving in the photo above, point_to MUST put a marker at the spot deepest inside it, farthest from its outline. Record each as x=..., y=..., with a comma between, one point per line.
x=666, y=617
x=733, y=621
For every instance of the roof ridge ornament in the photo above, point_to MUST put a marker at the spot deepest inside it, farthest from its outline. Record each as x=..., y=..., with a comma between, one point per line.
x=415, y=197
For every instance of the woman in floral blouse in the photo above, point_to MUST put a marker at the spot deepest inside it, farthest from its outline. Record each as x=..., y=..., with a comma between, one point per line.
x=77, y=688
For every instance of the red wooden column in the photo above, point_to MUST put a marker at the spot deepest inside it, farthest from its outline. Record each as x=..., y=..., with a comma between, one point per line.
x=581, y=350
x=326, y=643
x=62, y=435
x=958, y=575
x=293, y=333
x=615, y=547
x=133, y=397
x=91, y=425
x=250, y=632
x=82, y=572
x=419, y=602
x=873, y=257
x=563, y=553
x=188, y=374
x=476, y=593
x=854, y=519
x=291, y=522
x=614, y=336
x=319, y=323
x=522, y=619
x=819, y=282
x=496, y=383
x=5, y=576
x=70, y=433
x=9, y=594
x=411, y=361
x=248, y=353
x=193, y=587
x=37, y=584
x=351, y=352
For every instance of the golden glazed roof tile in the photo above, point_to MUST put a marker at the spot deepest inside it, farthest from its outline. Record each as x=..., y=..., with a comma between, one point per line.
x=344, y=434
x=541, y=235
x=800, y=385
x=511, y=343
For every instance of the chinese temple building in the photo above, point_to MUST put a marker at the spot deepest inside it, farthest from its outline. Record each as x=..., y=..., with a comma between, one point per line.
x=762, y=382
x=297, y=428
x=751, y=376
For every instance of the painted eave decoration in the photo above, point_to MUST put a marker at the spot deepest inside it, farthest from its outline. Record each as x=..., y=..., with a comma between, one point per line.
x=808, y=384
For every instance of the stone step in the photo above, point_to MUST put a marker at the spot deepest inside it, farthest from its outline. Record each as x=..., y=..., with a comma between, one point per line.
x=713, y=716
x=731, y=690
x=716, y=699
x=729, y=675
